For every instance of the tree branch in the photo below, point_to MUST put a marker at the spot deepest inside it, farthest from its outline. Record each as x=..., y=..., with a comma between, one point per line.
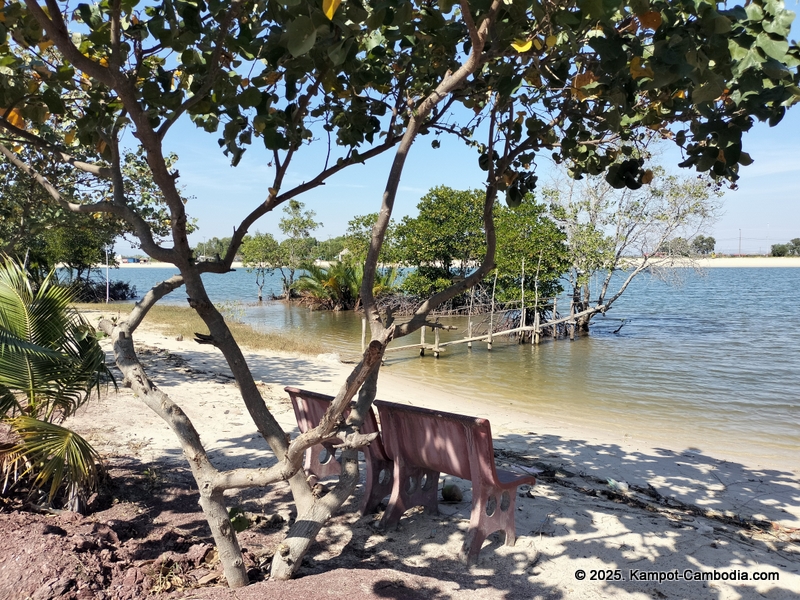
x=38, y=142
x=123, y=212
x=213, y=72
x=153, y=295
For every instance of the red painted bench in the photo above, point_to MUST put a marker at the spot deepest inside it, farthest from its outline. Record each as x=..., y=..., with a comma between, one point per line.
x=424, y=443
x=320, y=460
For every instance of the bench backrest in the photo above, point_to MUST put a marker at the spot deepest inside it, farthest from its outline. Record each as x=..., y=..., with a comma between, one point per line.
x=309, y=408
x=446, y=442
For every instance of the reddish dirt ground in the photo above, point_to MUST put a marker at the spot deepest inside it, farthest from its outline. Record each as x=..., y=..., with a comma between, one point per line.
x=144, y=536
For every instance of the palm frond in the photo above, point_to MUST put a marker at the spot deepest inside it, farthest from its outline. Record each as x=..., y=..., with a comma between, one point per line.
x=9, y=403
x=50, y=364
x=54, y=359
x=55, y=456
x=11, y=343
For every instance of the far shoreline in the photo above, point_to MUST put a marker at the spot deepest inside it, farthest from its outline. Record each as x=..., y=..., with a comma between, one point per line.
x=702, y=263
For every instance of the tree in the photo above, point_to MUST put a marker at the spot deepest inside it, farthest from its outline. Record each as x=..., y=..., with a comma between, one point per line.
x=261, y=255
x=79, y=243
x=531, y=253
x=703, y=244
x=359, y=236
x=297, y=249
x=330, y=249
x=779, y=250
x=50, y=364
x=674, y=247
x=26, y=211
x=791, y=248
x=611, y=230
x=212, y=249
x=445, y=241
x=36, y=228
x=584, y=76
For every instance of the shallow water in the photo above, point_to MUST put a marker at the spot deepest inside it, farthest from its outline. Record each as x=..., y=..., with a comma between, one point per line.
x=713, y=364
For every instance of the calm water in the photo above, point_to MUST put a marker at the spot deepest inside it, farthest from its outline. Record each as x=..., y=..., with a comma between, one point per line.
x=712, y=364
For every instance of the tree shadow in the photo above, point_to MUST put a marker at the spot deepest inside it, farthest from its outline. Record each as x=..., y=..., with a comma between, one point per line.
x=574, y=520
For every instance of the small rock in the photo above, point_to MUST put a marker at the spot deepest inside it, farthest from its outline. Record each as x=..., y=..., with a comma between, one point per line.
x=452, y=493
x=705, y=530
x=81, y=544
x=52, y=589
x=197, y=553
x=133, y=577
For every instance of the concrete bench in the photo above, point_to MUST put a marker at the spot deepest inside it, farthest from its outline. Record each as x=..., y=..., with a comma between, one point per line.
x=320, y=460
x=424, y=443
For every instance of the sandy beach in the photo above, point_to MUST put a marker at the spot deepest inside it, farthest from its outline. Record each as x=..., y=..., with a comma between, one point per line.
x=616, y=510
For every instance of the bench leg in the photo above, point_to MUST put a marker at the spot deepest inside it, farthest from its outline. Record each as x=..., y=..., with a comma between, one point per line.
x=411, y=486
x=378, y=484
x=316, y=469
x=492, y=510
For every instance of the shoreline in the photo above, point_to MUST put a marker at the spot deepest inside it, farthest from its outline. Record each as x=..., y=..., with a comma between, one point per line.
x=682, y=511
x=620, y=454
x=703, y=263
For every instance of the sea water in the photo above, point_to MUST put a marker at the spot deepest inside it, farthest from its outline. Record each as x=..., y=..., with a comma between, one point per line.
x=709, y=363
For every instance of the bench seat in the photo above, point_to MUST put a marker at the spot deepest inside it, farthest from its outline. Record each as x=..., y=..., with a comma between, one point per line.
x=320, y=460
x=424, y=443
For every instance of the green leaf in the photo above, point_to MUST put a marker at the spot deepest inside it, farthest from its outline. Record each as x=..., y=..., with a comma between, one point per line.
x=709, y=91
x=250, y=97
x=338, y=52
x=514, y=197
x=781, y=24
x=776, y=49
x=754, y=11
x=56, y=455
x=301, y=35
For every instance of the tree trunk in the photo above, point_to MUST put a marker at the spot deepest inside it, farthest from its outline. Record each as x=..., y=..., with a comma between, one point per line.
x=211, y=502
x=290, y=552
x=584, y=320
x=265, y=422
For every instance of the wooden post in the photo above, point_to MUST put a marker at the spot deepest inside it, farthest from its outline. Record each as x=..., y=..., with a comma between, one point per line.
x=522, y=309
x=536, y=318
x=572, y=321
x=469, y=317
x=555, y=312
x=491, y=315
x=363, y=334
x=422, y=341
x=436, y=343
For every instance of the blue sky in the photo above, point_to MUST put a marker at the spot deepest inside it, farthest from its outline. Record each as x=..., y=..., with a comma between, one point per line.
x=763, y=211
x=765, y=207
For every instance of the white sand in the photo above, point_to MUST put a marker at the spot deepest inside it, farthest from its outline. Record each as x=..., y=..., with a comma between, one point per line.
x=565, y=527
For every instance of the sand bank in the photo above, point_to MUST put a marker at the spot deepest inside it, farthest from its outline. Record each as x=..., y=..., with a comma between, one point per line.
x=749, y=262
x=157, y=265
x=566, y=523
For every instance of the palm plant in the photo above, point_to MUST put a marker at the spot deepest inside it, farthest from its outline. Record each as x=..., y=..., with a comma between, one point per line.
x=338, y=286
x=50, y=364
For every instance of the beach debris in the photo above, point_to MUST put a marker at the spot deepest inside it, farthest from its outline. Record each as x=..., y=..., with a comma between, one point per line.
x=618, y=486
